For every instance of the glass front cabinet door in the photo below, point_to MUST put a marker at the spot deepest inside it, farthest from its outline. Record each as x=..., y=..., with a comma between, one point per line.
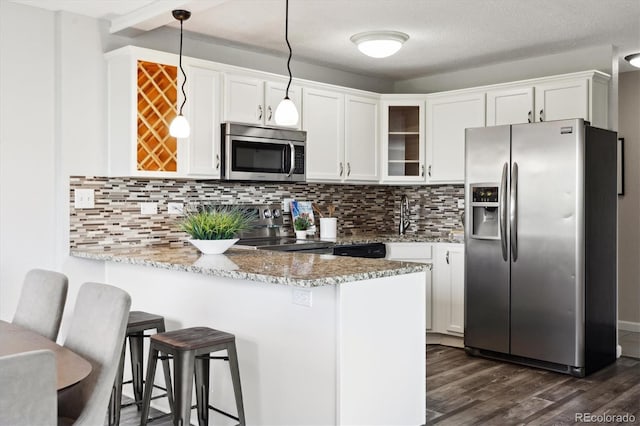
x=403, y=141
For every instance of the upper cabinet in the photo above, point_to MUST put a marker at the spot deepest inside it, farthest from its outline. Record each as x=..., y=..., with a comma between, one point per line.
x=447, y=118
x=143, y=98
x=403, y=141
x=253, y=100
x=323, y=118
x=361, y=139
x=579, y=95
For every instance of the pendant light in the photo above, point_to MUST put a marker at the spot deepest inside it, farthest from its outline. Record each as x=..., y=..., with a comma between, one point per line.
x=287, y=113
x=179, y=127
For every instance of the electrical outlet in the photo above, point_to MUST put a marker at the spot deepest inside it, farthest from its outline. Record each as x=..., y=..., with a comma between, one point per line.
x=461, y=203
x=286, y=205
x=148, y=208
x=175, y=208
x=84, y=198
x=302, y=297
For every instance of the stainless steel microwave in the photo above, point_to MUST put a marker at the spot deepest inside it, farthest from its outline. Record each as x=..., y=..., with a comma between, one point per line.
x=262, y=153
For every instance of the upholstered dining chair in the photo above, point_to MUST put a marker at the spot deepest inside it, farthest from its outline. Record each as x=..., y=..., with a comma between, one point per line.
x=97, y=330
x=41, y=302
x=28, y=389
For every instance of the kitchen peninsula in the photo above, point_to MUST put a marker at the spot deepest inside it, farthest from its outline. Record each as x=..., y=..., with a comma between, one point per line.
x=321, y=339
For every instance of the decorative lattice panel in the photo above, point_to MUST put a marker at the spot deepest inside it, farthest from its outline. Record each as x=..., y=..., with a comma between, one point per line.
x=157, y=98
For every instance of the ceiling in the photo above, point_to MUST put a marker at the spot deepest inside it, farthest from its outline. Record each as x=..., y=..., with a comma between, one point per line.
x=445, y=35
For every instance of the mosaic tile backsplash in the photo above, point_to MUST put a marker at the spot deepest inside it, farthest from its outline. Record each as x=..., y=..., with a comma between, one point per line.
x=116, y=219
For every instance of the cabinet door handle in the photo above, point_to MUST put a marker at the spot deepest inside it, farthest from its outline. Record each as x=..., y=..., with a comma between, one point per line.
x=541, y=115
x=348, y=169
x=341, y=169
x=217, y=161
x=422, y=168
x=529, y=117
x=429, y=171
x=259, y=112
x=269, y=112
x=447, y=257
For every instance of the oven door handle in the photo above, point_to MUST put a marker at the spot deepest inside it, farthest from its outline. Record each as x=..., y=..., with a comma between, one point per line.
x=292, y=147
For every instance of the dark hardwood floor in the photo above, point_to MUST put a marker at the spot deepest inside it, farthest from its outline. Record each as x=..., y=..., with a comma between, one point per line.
x=464, y=390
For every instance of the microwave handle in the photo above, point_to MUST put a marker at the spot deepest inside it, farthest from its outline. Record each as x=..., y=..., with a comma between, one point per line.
x=293, y=159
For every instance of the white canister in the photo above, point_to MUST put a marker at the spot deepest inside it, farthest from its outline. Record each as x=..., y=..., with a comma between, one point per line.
x=328, y=228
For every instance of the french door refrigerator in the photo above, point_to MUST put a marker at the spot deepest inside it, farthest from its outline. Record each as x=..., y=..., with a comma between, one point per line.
x=540, y=241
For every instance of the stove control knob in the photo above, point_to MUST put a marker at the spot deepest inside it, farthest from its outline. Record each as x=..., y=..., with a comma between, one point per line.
x=276, y=213
x=266, y=213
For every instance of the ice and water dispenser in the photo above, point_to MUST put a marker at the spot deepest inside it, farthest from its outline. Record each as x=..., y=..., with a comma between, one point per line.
x=484, y=205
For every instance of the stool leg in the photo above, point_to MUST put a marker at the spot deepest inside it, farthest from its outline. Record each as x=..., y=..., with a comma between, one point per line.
x=136, y=345
x=183, y=363
x=202, y=390
x=235, y=378
x=167, y=372
x=116, y=391
x=151, y=372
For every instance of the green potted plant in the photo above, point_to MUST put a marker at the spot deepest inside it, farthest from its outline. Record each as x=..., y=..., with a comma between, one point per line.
x=213, y=229
x=300, y=225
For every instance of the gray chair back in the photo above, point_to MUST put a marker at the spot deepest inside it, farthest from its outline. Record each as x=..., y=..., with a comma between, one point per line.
x=97, y=330
x=28, y=389
x=42, y=302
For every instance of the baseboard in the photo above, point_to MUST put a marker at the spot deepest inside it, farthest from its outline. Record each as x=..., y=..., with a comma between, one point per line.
x=629, y=326
x=446, y=340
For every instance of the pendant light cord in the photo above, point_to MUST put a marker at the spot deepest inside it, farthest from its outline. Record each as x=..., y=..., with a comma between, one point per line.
x=286, y=37
x=184, y=75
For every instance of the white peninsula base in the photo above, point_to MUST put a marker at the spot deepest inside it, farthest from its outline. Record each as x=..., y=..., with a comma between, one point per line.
x=354, y=356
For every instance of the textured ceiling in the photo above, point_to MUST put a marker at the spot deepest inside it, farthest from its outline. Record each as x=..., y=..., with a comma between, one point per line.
x=445, y=35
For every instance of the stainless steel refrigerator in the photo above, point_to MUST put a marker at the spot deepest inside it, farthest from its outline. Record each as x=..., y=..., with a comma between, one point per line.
x=540, y=241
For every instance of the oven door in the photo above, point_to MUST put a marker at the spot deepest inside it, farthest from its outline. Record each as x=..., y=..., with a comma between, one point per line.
x=249, y=158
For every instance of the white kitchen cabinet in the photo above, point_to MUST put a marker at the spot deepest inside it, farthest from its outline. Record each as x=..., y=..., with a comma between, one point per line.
x=403, y=144
x=562, y=100
x=252, y=100
x=419, y=253
x=203, y=112
x=510, y=106
x=447, y=118
x=579, y=95
x=448, y=286
x=142, y=99
x=323, y=119
x=361, y=139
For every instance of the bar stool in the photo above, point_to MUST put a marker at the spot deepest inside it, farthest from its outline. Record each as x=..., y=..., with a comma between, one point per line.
x=137, y=324
x=190, y=349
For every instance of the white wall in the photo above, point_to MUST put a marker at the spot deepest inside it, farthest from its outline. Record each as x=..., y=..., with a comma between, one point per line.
x=629, y=204
x=598, y=58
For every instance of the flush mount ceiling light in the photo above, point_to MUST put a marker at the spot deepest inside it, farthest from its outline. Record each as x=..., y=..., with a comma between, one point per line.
x=179, y=127
x=286, y=112
x=379, y=44
x=633, y=59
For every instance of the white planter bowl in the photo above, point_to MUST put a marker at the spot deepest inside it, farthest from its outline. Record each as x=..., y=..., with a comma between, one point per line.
x=213, y=246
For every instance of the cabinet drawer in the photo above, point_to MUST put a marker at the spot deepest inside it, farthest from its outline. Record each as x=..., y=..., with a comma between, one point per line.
x=409, y=251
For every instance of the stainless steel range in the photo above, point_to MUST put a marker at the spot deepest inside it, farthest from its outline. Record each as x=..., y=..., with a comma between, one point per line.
x=266, y=234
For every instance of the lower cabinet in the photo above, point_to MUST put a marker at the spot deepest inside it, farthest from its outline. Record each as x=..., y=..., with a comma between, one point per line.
x=444, y=287
x=419, y=253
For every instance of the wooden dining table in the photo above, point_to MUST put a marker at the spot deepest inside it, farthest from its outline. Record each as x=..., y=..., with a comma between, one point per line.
x=71, y=367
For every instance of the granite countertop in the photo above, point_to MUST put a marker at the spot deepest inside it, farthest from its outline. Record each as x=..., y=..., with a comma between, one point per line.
x=287, y=268
x=395, y=238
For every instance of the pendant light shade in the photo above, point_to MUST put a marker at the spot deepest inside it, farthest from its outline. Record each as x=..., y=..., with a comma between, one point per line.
x=633, y=59
x=379, y=44
x=286, y=112
x=179, y=127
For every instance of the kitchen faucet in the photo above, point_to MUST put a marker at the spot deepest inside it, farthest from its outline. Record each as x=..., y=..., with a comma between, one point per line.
x=405, y=221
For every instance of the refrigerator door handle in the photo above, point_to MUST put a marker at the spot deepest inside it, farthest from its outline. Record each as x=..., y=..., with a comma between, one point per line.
x=514, y=212
x=503, y=211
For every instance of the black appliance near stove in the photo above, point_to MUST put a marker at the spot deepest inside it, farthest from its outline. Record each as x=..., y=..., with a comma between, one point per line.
x=266, y=236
